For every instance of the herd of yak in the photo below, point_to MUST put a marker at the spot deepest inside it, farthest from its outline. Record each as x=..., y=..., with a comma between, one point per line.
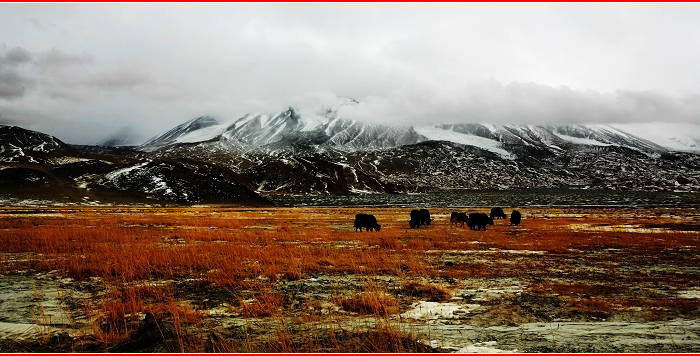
x=475, y=221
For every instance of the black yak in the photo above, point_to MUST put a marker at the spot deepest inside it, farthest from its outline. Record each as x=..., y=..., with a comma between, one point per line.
x=458, y=218
x=515, y=218
x=369, y=222
x=425, y=217
x=415, y=219
x=419, y=217
x=497, y=213
x=478, y=221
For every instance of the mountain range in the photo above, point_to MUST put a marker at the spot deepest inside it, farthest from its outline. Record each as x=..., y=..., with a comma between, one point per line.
x=255, y=156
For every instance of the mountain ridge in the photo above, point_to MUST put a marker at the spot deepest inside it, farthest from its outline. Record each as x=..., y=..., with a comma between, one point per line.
x=257, y=156
x=330, y=130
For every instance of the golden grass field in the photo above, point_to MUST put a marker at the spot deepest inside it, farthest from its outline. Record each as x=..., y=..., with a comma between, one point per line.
x=187, y=279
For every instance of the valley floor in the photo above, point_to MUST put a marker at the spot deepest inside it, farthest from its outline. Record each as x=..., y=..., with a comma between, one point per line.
x=224, y=279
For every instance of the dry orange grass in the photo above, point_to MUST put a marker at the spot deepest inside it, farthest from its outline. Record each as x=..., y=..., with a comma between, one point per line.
x=371, y=303
x=263, y=305
x=120, y=313
x=229, y=246
x=236, y=249
x=428, y=292
x=382, y=339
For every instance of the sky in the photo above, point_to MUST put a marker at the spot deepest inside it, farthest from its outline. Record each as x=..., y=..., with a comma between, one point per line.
x=85, y=72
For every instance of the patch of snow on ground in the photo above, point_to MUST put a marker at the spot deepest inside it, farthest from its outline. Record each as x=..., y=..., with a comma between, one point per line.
x=113, y=174
x=67, y=160
x=435, y=133
x=483, y=348
x=18, y=330
x=160, y=185
x=434, y=310
x=362, y=191
x=689, y=294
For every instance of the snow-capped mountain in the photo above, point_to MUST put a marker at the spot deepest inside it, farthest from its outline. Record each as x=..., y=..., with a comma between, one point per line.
x=291, y=152
x=328, y=130
x=682, y=137
x=271, y=131
x=34, y=165
x=509, y=141
x=208, y=160
x=20, y=145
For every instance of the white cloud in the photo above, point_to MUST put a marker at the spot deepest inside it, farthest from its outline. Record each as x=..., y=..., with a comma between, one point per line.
x=149, y=66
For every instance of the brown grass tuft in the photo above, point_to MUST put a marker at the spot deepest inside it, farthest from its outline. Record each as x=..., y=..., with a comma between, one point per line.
x=428, y=292
x=371, y=303
x=263, y=305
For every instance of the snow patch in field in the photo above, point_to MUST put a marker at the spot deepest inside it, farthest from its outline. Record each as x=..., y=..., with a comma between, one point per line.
x=483, y=348
x=490, y=250
x=438, y=134
x=635, y=228
x=18, y=331
x=434, y=310
x=689, y=294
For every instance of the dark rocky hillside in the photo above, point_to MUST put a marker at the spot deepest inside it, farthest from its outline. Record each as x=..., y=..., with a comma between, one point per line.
x=206, y=161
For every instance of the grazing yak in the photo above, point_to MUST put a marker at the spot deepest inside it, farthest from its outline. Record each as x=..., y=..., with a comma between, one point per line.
x=515, y=218
x=369, y=222
x=425, y=217
x=458, y=218
x=415, y=219
x=497, y=213
x=478, y=221
x=419, y=217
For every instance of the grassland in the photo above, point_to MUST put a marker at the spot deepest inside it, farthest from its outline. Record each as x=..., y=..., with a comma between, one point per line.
x=301, y=279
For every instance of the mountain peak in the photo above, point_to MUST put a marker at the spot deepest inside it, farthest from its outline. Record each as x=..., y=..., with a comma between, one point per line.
x=173, y=135
x=201, y=122
x=22, y=145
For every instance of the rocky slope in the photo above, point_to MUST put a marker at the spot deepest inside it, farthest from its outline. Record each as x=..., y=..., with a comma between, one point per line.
x=207, y=160
x=290, y=153
x=37, y=166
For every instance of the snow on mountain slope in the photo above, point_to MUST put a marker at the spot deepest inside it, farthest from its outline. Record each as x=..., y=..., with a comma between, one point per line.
x=263, y=129
x=441, y=134
x=202, y=134
x=581, y=140
x=21, y=145
x=286, y=128
x=326, y=129
x=554, y=137
x=188, y=128
x=674, y=136
x=339, y=156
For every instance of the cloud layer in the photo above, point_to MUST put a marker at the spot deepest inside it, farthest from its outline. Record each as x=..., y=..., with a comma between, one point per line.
x=84, y=72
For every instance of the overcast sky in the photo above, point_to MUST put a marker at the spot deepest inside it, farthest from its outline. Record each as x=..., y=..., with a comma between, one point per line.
x=84, y=72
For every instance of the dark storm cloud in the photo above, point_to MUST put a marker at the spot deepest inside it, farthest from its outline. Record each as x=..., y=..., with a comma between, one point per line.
x=61, y=75
x=55, y=58
x=12, y=85
x=118, y=79
x=528, y=103
x=17, y=55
